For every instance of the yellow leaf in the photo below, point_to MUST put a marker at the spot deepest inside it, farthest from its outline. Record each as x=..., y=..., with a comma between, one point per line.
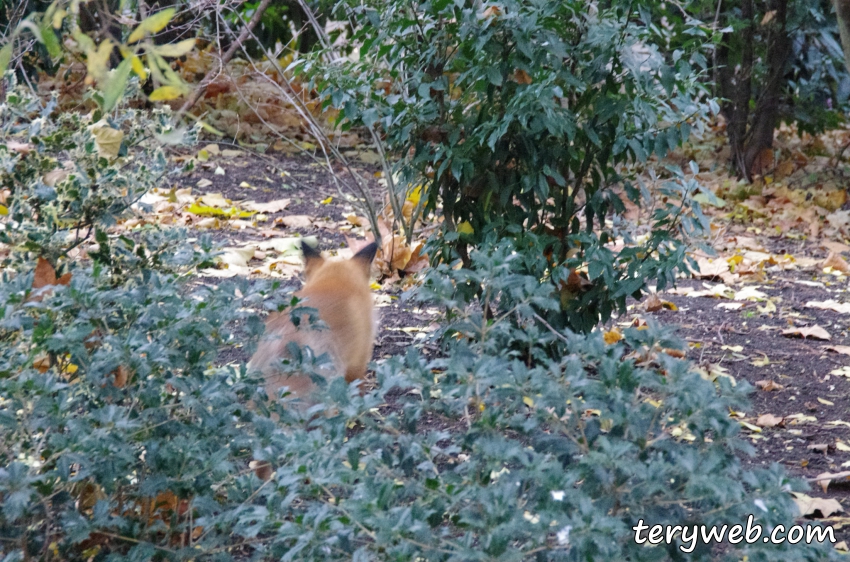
x=749, y=426
x=415, y=195
x=326, y=201
x=203, y=155
x=4, y=210
x=205, y=211
x=151, y=24
x=826, y=402
x=97, y=59
x=138, y=67
x=58, y=16
x=528, y=401
x=465, y=228
x=175, y=49
x=165, y=93
x=613, y=336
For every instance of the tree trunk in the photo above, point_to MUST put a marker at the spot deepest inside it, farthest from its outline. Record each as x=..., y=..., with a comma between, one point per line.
x=736, y=87
x=842, y=11
x=766, y=116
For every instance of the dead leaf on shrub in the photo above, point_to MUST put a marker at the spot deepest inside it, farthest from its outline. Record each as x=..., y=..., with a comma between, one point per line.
x=19, y=147
x=612, y=336
x=121, y=376
x=45, y=277
x=814, y=332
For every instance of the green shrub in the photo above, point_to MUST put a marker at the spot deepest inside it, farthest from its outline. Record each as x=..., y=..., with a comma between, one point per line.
x=69, y=176
x=514, y=442
x=527, y=117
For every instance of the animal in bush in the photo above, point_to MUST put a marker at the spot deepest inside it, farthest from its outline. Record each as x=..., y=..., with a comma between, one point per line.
x=339, y=291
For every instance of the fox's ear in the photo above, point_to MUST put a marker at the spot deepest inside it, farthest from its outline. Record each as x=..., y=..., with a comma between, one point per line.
x=313, y=260
x=365, y=256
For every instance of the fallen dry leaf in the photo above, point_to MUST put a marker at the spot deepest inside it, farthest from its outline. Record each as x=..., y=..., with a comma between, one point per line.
x=821, y=448
x=653, y=303
x=768, y=385
x=19, y=147
x=769, y=420
x=842, y=307
x=295, y=221
x=836, y=262
x=814, y=332
x=843, y=349
x=270, y=207
x=825, y=478
x=836, y=247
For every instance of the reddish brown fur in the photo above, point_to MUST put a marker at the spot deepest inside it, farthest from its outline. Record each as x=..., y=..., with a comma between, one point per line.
x=339, y=291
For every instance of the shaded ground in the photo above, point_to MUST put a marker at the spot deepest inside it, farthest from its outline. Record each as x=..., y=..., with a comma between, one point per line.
x=794, y=374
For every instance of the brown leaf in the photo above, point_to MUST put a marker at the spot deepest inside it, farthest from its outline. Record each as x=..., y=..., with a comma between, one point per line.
x=45, y=276
x=841, y=307
x=122, y=375
x=814, y=332
x=269, y=207
x=843, y=349
x=418, y=260
x=836, y=262
x=768, y=385
x=295, y=221
x=678, y=353
x=825, y=478
x=576, y=282
x=769, y=420
x=836, y=247
x=42, y=362
x=809, y=505
x=653, y=303
x=262, y=469
x=521, y=77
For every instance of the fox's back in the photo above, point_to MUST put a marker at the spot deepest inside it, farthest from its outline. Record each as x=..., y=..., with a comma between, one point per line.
x=340, y=293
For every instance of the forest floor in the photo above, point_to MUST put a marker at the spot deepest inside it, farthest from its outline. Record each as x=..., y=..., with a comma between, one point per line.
x=771, y=308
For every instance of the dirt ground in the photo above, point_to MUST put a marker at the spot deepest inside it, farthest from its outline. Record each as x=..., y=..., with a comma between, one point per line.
x=791, y=377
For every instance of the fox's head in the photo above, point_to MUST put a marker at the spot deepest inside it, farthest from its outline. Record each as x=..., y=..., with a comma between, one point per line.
x=357, y=269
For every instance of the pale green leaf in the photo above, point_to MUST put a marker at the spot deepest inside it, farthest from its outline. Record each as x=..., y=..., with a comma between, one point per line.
x=114, y=84
x=6, y=56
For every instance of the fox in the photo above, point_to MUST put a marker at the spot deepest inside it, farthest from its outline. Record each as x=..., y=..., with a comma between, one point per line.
x=339, y=290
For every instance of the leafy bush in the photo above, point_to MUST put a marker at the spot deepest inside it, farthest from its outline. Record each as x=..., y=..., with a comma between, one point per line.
x=67, y=178
x=516, y=442
x=525, y=117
